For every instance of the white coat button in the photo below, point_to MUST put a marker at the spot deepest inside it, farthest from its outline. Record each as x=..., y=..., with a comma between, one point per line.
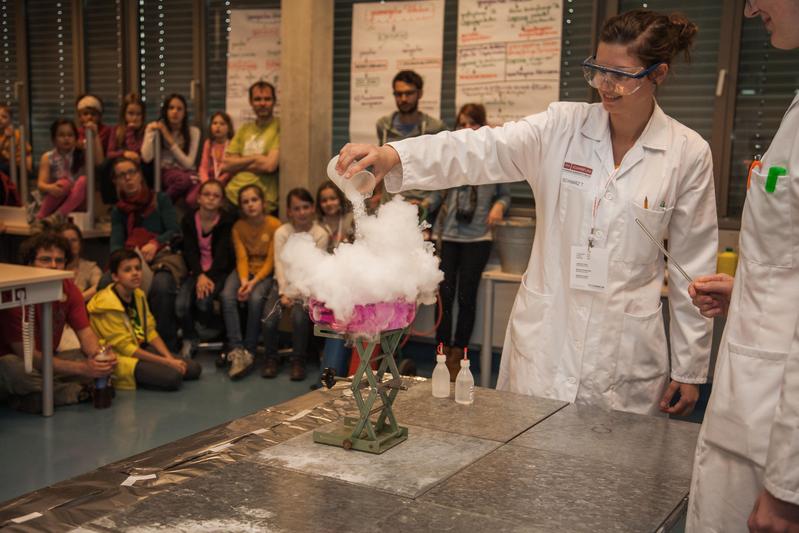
x=578, y=345
x=608, y=196
x=572, y=381
x=599, y=234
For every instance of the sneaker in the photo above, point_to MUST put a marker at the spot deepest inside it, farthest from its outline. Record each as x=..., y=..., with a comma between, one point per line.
x=188, y=349
x=271, y=368
x=297, y=371
x=241, y=363
x=227, y=358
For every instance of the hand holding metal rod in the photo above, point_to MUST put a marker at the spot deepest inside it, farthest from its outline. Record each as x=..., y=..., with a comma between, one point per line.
x=662, y=249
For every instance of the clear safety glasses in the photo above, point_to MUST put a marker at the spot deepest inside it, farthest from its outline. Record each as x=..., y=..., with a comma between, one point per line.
x=620, y=80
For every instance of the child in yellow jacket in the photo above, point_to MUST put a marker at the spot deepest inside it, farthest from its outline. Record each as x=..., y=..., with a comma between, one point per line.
x=120, y=315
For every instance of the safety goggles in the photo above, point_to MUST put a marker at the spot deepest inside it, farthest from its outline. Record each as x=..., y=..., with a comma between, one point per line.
x=620, y=80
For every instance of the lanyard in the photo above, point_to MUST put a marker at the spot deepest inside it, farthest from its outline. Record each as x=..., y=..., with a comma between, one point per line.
x=597, y=201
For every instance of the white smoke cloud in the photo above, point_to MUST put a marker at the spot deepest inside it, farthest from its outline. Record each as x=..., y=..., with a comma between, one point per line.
x=388, y=261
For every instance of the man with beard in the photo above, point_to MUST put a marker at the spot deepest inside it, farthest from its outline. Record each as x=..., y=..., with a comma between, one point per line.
x=407, y=121
x=254, y=153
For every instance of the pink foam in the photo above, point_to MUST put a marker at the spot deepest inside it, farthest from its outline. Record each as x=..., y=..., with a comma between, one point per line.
x=368, y=319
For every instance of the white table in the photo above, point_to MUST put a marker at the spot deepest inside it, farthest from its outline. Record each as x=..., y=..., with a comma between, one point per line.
x=489, y=278
x=23, y=285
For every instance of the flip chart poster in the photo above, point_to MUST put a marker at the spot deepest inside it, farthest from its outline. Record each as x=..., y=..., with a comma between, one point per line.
x=253, y=55
x=387, y=38
x=508, y=56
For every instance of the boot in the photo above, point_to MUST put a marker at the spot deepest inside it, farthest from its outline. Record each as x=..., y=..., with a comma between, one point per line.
x=297, y=370
x=271, y=368
x=454, y=356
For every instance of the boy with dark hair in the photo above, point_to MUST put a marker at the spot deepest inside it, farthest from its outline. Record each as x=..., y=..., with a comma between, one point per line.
x=72, y=374
x=119, y=314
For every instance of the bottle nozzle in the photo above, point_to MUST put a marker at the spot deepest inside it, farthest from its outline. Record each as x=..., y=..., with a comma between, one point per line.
x=466, y=353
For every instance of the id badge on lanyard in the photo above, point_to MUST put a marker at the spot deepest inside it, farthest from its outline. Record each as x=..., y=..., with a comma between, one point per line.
x=589, y=264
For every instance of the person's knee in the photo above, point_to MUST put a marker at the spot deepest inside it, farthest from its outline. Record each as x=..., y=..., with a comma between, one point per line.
x=172, y=380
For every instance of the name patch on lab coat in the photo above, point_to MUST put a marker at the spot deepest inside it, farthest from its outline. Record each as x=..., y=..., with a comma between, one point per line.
x=580, y=169
x=589, y=268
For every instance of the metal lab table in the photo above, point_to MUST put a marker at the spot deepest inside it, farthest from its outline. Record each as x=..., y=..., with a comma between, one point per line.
x=507, y=463
x=24, y=285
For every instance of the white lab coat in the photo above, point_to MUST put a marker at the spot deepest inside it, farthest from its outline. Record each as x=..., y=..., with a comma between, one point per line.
x=606, y=349
x=750, y=436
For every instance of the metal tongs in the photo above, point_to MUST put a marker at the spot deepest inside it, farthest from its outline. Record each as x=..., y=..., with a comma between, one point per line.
x=665, y=252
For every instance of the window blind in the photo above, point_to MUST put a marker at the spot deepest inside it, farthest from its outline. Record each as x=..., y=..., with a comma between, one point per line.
x=103, y=64
x=52, y=94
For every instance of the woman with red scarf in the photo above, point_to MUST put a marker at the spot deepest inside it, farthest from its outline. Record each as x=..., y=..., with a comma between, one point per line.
x=145, y=220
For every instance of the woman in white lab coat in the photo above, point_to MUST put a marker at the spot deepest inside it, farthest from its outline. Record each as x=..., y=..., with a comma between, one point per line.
x=748, y=449
x=586, y=325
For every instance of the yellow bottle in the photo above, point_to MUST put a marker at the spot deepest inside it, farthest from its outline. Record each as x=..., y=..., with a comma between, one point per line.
x=727, y=262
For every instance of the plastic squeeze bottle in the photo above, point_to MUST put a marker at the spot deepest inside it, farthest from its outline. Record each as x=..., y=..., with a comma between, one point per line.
x=464, y=382
x=727, y=262
x=440, y=374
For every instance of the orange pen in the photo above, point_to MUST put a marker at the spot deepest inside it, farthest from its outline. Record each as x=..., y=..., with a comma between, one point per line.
x=646, y=202
x=756, y=163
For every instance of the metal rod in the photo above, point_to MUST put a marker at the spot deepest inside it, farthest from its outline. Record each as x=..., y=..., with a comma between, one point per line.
x=90, y=171
x=665, y=252
x=47, y=359
x=157, y=160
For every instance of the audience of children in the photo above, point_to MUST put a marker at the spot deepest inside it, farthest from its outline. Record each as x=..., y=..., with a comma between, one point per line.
x=73, y=372
x=119, y=314
x=300, y=212
x=208, y=253
x=220, y=131
x=179, y=143
x=62, y=171
x=249, y=283
x=145, y=221
x=153, y=295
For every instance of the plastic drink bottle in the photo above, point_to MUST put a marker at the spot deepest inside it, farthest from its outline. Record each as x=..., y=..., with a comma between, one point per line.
x=464, y=383
x=440, y=375
x=102, y=392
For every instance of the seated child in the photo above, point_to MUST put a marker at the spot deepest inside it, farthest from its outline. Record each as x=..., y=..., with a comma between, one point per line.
x=250, y=281
x=220, y=131
x=119, y=314
x=62, y=171
x=302, y=218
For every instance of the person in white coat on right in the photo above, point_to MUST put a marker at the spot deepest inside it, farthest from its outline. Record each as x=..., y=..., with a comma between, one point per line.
x=746, y=470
